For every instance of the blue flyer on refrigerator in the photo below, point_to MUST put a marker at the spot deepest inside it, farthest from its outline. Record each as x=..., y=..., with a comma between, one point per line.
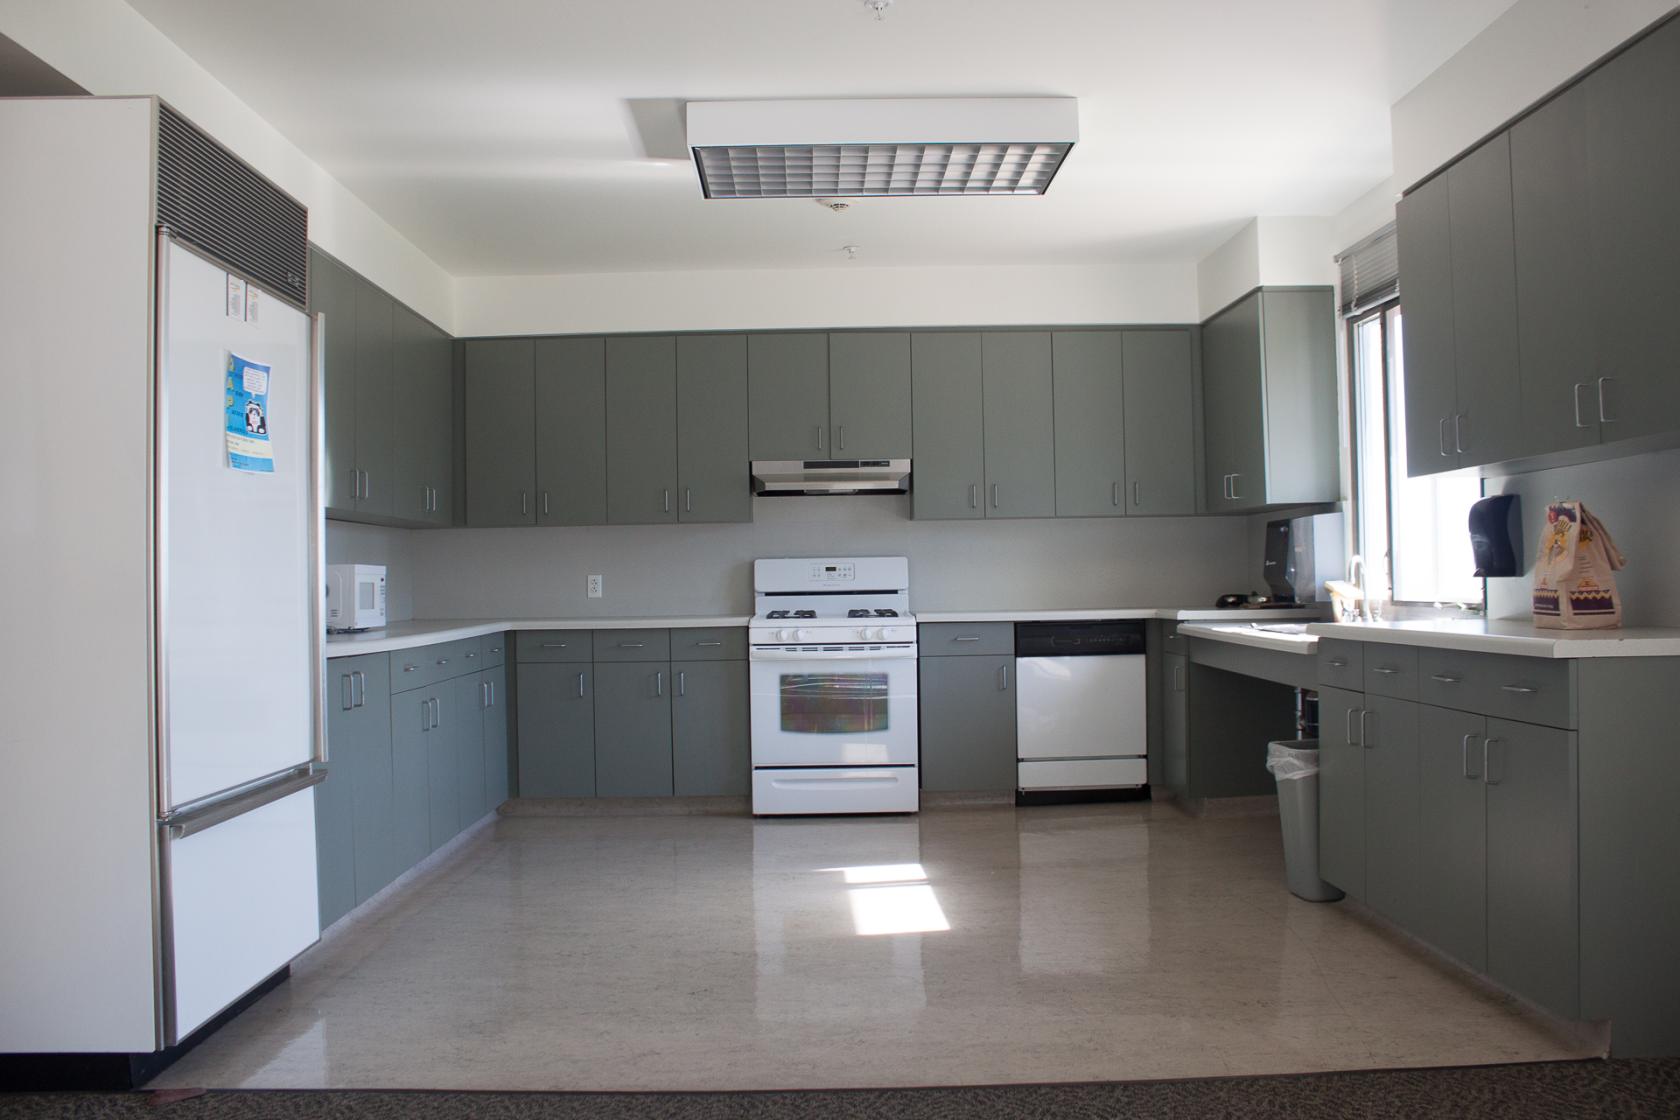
x=246, y=402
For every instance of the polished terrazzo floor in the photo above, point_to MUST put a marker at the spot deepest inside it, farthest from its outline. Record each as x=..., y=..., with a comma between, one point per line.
x=963, y=946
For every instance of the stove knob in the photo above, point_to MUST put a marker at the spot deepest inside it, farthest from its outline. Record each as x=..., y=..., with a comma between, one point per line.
x=802, y=635
x=880, y=633
x=784, y=635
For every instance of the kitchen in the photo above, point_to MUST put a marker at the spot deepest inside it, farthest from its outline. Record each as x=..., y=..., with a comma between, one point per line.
x=574, y=477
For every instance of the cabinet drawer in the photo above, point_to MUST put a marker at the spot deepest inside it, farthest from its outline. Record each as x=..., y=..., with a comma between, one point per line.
x=632, y=645
x=941, y=639
x=1391, y=670
x=1526, y=689
x=555, y=645
x=1341, y=664
x=1172, y=641
x=727, y=643
x=495, y=651
x=424, y=666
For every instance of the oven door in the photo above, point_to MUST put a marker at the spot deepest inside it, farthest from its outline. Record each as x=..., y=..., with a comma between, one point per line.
x=837, y=708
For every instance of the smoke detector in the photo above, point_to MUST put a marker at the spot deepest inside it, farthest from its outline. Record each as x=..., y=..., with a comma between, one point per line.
x=833, y=204
x=879, y=7
x=863, y=148
x=851, y=251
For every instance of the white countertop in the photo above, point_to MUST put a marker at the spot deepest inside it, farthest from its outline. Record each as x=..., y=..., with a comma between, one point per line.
x=1514, y=637
x=425, y=632
x=1244, y=634
x=1170, y=614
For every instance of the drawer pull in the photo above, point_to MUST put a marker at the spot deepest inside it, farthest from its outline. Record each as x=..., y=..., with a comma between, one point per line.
x=1519, y=689
x=1386, y=670
x=1445, y=679
x=495, y=649
x=708, y=645
x=410, y=668
x=471, y=654
x=1338, y=663
x=443, y=661
x=966, y=638
x=554, y=645
x=631, y=645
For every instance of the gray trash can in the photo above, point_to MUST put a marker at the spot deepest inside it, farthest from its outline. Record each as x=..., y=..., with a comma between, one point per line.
x=1294, y=763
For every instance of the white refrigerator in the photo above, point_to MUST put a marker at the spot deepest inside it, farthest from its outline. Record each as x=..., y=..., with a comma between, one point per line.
x=159, y=435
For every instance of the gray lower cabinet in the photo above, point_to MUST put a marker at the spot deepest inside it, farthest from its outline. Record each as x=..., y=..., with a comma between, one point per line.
x=470, y=700
x=423, y=413
x=1090, y=423
x=500, y=434
x=641, y=430
x=1341, y=791
x=495, y=736
x=1389, y=737
x=1160, y=431
x=1175, y=724
x=711, y=735
x=1020, y=425
x=869, y=395
x=443, y=811
x=713, y=473
x=787, y=377
x=948, y=422
x=570, y=410
x=1452, y=834
x=967, y=707
x=556, y=729
x=413, y=715
x=354, y=801
x=632, y=729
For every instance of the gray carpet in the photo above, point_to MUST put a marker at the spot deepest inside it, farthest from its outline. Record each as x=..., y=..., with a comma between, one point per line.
x=1620, y=1089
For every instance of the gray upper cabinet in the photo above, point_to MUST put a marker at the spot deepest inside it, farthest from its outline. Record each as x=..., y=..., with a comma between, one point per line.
x=949, y=425
x=332, y=295
x=375, y=427
x=641, y=430
x=570, y=409
x=1160, y=434
x=713, y=473
x=1090, y=424
x=422, y=407
x=1487, y=424
x=788, y=394
x=1020, y=426
x=500, y=433
x=1424, y=239
x=633, y=729
x=1269, y=400
x=869, y=395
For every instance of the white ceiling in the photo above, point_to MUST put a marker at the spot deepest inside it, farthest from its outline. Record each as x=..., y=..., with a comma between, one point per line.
x=513, y=137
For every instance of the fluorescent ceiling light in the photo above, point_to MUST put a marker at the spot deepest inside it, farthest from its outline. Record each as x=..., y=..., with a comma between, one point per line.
x=838, y=149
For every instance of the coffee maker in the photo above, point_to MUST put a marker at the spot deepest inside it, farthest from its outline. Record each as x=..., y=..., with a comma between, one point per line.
x=1301, y=553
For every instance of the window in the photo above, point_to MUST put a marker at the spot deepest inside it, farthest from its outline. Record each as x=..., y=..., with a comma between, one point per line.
x=1412, y=532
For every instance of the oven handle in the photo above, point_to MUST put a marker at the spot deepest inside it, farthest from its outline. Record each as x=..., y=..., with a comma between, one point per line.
x=890, y=653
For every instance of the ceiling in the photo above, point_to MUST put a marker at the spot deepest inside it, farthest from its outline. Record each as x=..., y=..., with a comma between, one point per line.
x=518, y=137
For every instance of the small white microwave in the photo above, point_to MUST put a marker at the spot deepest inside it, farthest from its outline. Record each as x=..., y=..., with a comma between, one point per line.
x=355, y=597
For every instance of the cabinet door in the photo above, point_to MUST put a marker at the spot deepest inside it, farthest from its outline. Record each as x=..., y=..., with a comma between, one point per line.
x=968, y=723
x=365, y=753
x=571, y=431
x=1090, y=423
x=495, y=734
x=714, y=473
x=1488, y=427
x=357, y=730
x=1300, y=439
x=949, y=426
x=1390, y=733
x=1175, y=723
x=1020, y=424
x=1533, y=918
x=632, y=729
x=641, y=430
x=1452, y=835
x=556, y=730
x=500, y=435
x=1160, y=423
x=410, y=825
x=711, y=741
x=421, y=406
x=787, y=388
x=471, y=700
x=1423, y=234
x=869, y=395
x=375, y=424
x=1341, y=790
x=332, y=293
x=1633, y=287
x=1234, y=408
x=1553, y=252
x=443, y=812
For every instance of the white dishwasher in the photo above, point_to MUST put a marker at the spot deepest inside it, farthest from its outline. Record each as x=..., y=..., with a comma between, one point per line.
x=1081, y=714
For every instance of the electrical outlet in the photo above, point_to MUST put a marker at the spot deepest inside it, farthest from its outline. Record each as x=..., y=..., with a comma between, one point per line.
x=594, y=587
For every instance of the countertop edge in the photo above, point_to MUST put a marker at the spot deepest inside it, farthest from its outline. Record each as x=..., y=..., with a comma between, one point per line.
x=425, y=632
x=1551, y=644
x=1254, y=639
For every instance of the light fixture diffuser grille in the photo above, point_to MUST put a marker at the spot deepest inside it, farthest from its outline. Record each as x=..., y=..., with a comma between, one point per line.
x=875, y=170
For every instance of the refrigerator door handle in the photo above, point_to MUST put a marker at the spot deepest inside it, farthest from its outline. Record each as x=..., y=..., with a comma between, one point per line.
x=317, y=539
x=195, y=818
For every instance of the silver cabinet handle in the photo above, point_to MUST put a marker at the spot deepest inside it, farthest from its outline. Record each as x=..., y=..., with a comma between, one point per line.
x=1235, y=497
x=1114, y=493
x=682, y=683
x=1364, y=732
x=659, y=684
x=443, y=661
x=580, y=685
x=1337, y=663
x=1487, y=760
x=994, y=495
x=1178, y=678
x=524, y=504
x=966, y=638
x=631, y=645
x=688, y=499
x=973, y=496
x=471, y=655
x=1385, y=670
x=708, y=645
x=492, y=693
x=545, y=503
x=554, y=645
x=425, y=715
x=842, y=435
x=358, y=689
x=355, y=483
x=1446, y=679
x=1603, y=416
x=666, y=499
x=1137, y=493
x=1003, y=678
x=410, y=668
x=1519, y=689
x=819, y=437
x=1576, y=397
x=495, y=649
x=437, y=712
x=483, y=694
x=1464, y=757
x=1441, y=432
x=1349, y=728
x=346, y=693
x=1458, y=432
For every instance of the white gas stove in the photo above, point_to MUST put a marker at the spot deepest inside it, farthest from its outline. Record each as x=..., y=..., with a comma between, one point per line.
x=833, y=662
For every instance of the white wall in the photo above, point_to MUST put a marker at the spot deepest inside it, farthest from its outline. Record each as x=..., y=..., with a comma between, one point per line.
x=853, y=296
x=707, y=569
x=1230, y=271
x=105, y=46
x=1526, y=53
x=1269, y=250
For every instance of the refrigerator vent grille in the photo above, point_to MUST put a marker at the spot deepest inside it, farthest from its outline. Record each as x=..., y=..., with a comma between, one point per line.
x=216, y=202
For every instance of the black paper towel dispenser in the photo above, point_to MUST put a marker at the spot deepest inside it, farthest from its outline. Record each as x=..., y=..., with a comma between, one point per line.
x=1495, y=529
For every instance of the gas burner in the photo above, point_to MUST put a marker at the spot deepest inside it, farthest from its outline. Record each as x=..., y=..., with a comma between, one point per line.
x=858, y=612
x=885, y=612
x=778, y=614
x=804, y=614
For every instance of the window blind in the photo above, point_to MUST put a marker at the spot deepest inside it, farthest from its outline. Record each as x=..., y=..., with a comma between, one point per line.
x=1370, y=272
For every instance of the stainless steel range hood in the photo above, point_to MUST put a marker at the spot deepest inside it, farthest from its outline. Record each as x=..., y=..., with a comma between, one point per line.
x=831, y=476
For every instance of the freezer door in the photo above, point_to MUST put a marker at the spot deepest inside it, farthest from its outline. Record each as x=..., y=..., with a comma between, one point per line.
x=1081, y=707
x=241, y=904
x=236, y=550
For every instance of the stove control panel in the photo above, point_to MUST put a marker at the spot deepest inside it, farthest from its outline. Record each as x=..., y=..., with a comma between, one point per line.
x=843, y=571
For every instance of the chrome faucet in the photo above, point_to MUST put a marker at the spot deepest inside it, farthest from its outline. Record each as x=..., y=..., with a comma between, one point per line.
x=1356, y=576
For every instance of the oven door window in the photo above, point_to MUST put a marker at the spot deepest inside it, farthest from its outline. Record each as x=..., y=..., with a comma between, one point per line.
x=834, y=703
